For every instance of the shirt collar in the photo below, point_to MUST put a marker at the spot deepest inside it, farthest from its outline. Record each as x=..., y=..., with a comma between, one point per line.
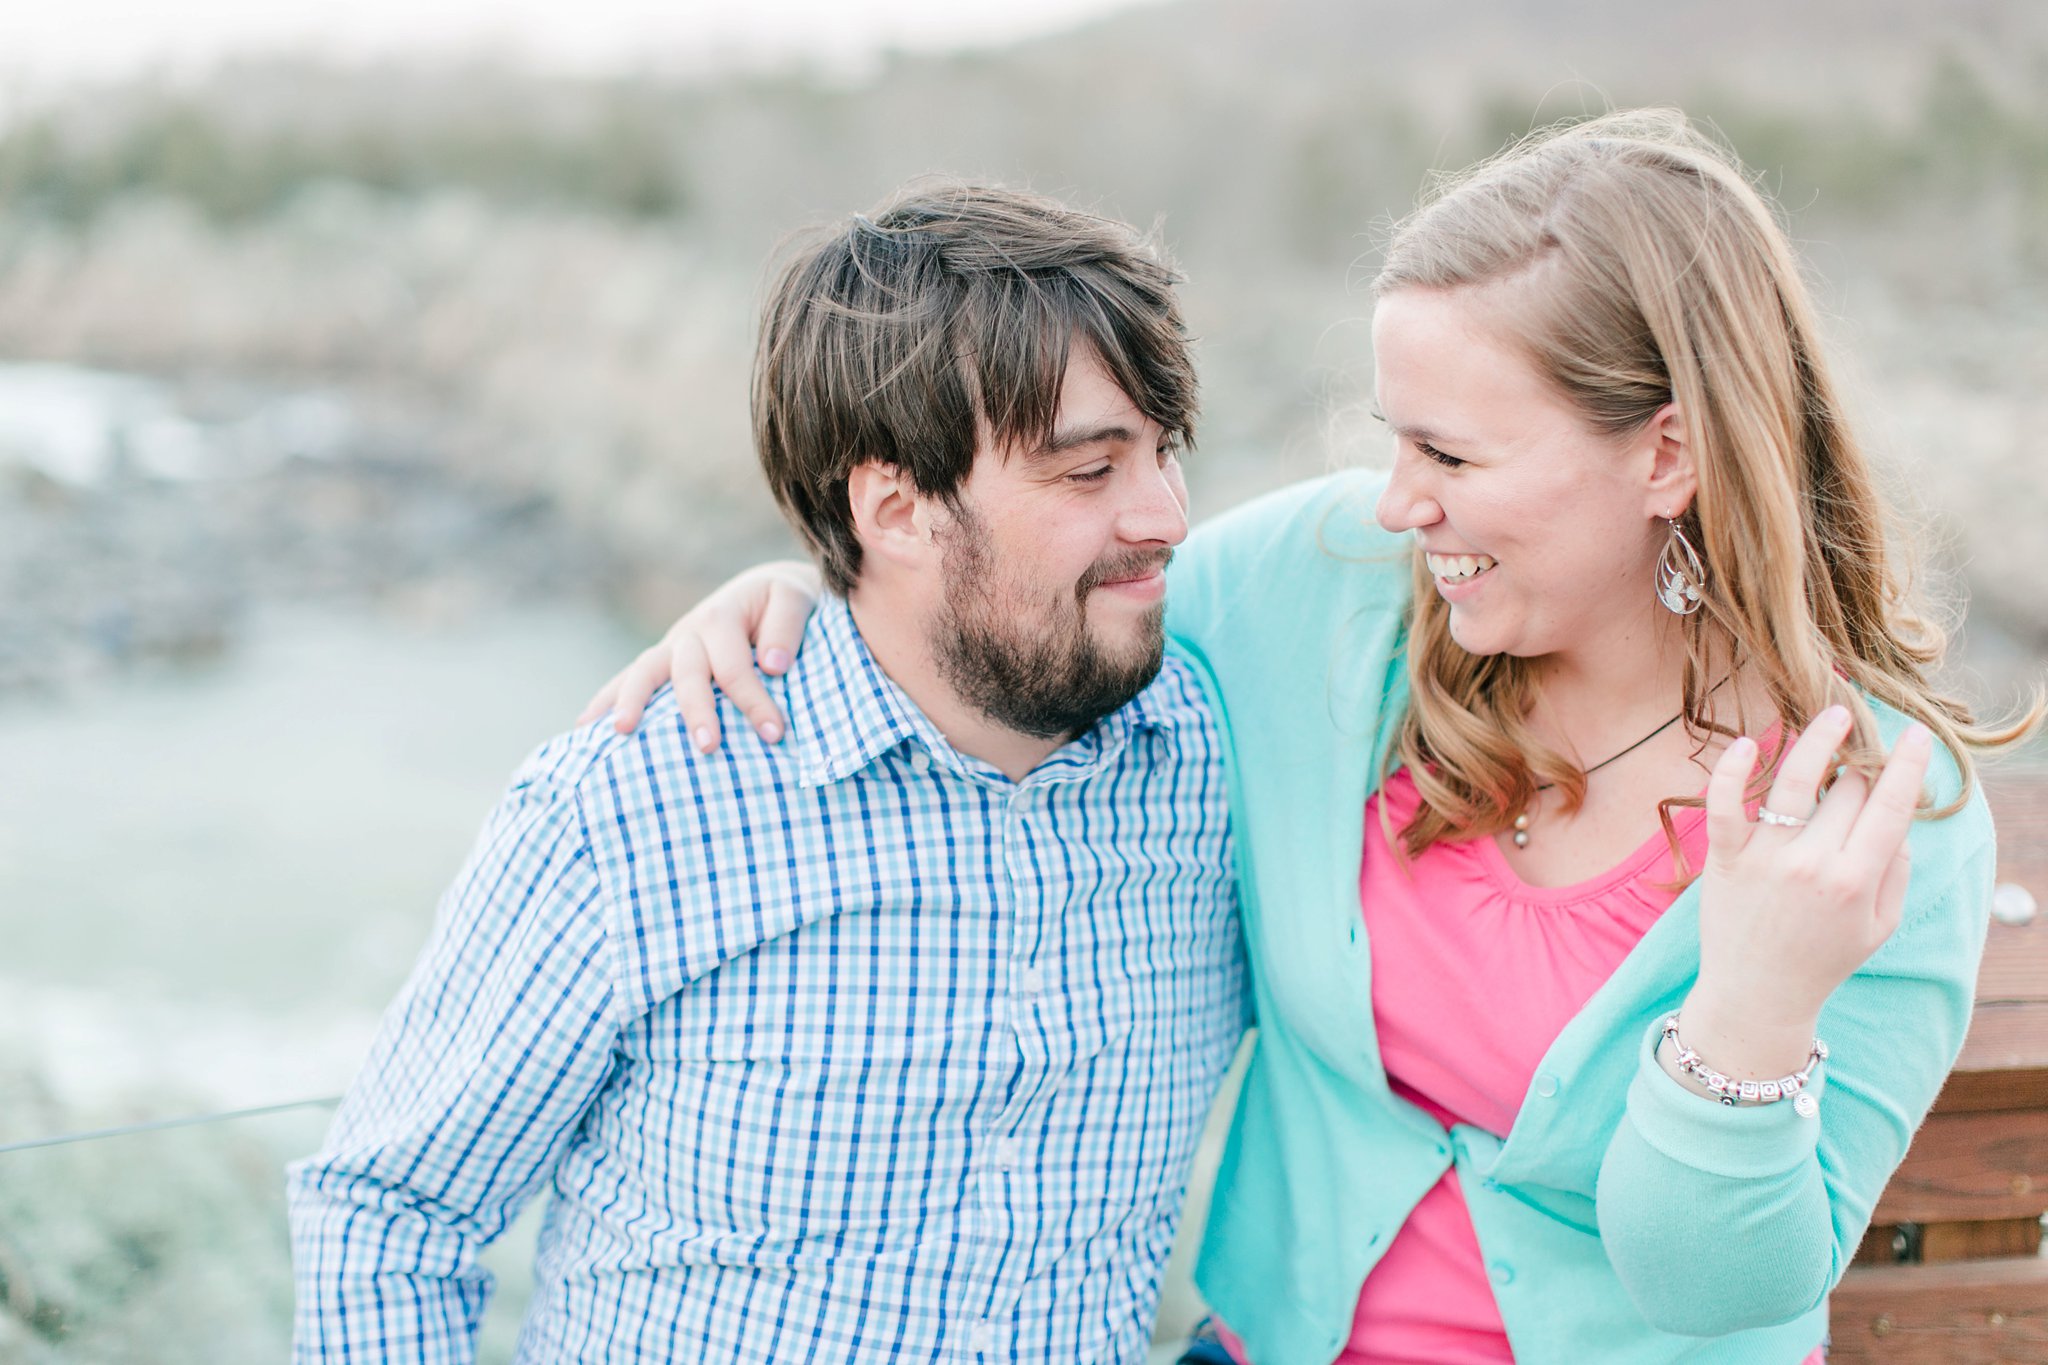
x=845, y=712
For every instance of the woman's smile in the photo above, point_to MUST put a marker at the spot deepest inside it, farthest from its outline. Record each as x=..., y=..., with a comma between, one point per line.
x=1457, y=568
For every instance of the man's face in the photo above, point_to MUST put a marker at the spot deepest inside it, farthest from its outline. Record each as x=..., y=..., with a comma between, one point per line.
x=1055, y=562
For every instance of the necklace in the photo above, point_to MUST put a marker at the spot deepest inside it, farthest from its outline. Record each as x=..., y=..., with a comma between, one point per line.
x=1522, y=820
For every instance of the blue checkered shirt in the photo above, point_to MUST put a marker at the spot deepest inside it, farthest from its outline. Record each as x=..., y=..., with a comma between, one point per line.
x=848, y=1049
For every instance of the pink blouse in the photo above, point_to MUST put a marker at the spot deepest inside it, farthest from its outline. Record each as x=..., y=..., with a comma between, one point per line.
x=1475, y=973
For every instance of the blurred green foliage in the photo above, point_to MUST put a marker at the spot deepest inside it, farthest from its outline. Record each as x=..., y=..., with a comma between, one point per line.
x=627, y=161
x=631, y=148
x=180, y=1260
x=1302, y=173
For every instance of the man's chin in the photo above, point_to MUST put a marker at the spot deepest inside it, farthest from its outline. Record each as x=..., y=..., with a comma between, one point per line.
x=1134, y=649
x=1051, y=687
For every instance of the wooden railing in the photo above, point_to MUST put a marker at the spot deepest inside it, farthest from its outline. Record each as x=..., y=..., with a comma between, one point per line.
x=1950, y=1272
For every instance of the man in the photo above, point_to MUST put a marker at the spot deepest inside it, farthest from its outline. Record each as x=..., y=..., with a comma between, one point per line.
x=892, y=1041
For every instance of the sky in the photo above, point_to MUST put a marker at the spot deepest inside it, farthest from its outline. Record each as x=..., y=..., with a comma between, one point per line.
x=49, y=45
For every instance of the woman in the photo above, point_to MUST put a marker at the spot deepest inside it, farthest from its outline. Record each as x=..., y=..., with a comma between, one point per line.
x=1539, y=1069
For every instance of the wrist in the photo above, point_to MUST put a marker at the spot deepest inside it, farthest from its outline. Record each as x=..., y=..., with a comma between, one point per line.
x=1731, y=999
x=1749, y=1040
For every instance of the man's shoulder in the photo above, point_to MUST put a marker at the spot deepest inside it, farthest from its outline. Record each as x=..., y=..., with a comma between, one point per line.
x=690, y=849
x=655, y=766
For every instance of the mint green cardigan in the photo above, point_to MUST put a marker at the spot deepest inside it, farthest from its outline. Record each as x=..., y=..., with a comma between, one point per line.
x=1623, y=1218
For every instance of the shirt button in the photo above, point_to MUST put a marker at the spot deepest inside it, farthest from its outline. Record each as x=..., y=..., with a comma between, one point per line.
x=920, y=761
x=1031, y=982
x=1008, y=1153
x=984, y=1337
x=1546, y=1085
x=1502, y=1272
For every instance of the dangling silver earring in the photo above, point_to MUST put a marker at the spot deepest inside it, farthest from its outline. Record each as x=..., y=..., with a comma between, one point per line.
x=1681, y=576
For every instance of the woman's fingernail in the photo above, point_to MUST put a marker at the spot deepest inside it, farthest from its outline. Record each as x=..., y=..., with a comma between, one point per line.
x=775, y=660
x=1743, y=746
x=1917, y=738
x=701, y=736
x=769, y=731
x=1837, y=714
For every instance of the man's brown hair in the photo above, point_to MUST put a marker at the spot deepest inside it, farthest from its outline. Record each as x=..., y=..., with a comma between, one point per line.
x=949, y=312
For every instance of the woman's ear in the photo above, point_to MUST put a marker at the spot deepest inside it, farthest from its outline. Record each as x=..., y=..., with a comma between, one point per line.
x=1673, y=478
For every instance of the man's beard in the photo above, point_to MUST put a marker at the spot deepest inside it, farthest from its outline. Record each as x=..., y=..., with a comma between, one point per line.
x=1044, y=678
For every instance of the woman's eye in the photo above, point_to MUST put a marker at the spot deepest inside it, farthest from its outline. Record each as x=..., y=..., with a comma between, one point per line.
x=1431, y=452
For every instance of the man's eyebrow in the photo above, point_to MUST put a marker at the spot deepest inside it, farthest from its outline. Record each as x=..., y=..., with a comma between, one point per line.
x=1073, y=438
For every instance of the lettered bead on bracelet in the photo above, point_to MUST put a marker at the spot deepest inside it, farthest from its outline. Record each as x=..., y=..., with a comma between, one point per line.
x=1730, y=1091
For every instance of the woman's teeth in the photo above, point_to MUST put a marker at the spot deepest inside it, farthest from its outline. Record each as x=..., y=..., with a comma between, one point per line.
x=1455, y=568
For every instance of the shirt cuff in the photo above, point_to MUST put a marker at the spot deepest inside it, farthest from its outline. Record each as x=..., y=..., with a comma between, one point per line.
x=1739, y=1141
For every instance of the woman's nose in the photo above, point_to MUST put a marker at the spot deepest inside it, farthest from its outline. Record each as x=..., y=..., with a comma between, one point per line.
x=1405, y=503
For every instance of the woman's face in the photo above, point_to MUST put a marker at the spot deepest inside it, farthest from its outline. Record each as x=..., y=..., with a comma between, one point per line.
x=1541, y=533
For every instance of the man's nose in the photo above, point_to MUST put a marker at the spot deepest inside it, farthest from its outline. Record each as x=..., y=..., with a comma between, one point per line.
x=1157, y=509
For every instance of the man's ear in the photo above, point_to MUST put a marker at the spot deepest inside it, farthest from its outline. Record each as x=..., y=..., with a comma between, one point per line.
x=1673, y=477
x=893, y=521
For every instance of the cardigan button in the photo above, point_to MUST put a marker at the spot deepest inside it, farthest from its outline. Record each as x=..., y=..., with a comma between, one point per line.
x=1503, y=1273
x=1546, y=1085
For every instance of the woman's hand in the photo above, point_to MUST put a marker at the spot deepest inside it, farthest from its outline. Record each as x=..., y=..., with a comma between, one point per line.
x=757, y=617
x=1787, y=914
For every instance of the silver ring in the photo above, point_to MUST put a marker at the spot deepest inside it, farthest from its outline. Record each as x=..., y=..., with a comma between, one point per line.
x=1766, y=816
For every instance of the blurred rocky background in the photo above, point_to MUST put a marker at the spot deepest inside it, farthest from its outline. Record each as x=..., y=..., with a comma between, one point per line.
x=378, y=295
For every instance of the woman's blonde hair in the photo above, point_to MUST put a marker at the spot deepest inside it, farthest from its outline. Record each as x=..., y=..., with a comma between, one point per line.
x=1644, y=268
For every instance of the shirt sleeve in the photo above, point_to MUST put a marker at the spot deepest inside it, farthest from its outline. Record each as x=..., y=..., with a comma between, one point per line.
x=1719, y=1218
x=481, y=1071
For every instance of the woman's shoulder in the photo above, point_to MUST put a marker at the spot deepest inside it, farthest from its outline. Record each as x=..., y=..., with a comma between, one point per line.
x=1969, y=827
x=1955, y=860
x=1298, y=551
x=1336, y=508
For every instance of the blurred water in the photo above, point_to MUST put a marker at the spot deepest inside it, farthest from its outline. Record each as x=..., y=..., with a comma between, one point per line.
x=210, y=879
x=81, y=427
